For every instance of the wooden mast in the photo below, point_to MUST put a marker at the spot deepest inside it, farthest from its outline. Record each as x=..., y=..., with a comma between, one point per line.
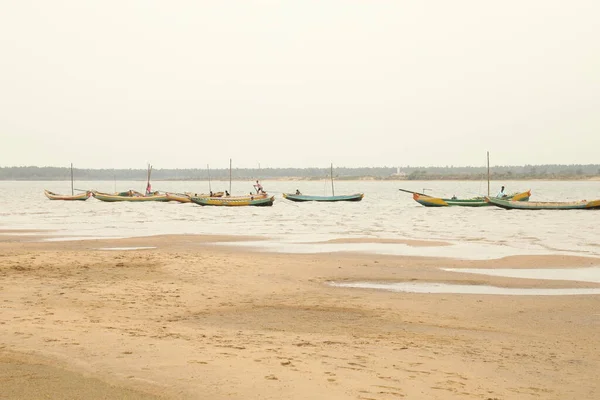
x=72, y=191
x=208, y=169
x=488, y=172
x=230, y=176
x=148, y=182
x=332, y=189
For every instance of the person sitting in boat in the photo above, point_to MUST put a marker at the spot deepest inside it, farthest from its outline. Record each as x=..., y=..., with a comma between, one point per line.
x=227, y=194
x=211, y=194
x=298, y=192
x=258, y=187
x=454, y=197
x=501, y=194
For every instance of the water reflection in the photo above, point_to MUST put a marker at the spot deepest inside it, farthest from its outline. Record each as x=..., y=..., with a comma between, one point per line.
x=591, y=274
x=447, y=288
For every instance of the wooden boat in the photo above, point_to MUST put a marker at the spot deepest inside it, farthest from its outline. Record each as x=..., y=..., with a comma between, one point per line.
x=429, y=201
x=234, y=201
x=301, y=197
x=131, y=196
x=332, y=198
x=542, y=205
x=81, y=196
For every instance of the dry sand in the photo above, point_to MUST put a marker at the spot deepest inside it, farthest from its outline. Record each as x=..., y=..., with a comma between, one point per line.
x=190, y=320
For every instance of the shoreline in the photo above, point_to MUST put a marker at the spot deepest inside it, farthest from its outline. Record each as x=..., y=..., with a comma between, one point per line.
x=338, y=179
x=191, y=320
x=370, y=246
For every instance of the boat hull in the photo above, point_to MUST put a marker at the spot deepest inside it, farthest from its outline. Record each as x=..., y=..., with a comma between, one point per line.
x=234, y=201
x=301, y=197
x=111, y=198
x=539, y=205
x=428, y=201
x=181, y=198
x=77, y=197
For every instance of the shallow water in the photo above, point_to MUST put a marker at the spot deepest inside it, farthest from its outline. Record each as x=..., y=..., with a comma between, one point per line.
x=460, y=250
x=385, y=212
x=591, y=274
x=441, y=288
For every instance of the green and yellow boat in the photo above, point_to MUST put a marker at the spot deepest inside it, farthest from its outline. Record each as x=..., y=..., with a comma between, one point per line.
x=241, y=201
x=429, y=201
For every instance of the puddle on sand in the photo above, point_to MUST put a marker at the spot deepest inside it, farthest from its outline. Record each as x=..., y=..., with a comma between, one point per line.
x=435, y=288
x=465, y=251
x=590, y=274
x=124, y=248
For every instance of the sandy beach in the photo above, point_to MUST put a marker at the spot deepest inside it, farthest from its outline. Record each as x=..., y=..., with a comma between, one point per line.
x=186, y=319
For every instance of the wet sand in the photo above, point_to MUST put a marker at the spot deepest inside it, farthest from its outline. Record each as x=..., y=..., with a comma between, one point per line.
x=190, y=320
x=408, y=242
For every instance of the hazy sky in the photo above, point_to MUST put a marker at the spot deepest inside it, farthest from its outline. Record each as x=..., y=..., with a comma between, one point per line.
x=107, y=84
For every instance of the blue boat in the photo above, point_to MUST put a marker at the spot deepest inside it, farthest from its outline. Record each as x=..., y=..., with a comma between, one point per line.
x=346, y=197
x=302, y=197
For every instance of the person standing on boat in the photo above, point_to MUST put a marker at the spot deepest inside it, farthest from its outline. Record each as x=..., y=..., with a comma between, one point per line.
x=148, y=189
x=258, y=187
x=501, y=194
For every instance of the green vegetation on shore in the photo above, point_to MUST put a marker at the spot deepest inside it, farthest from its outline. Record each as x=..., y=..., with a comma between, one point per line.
x=377, y=173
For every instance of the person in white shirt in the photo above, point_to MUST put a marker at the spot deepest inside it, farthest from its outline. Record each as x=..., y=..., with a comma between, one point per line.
x=258, y=187
x=501, y=194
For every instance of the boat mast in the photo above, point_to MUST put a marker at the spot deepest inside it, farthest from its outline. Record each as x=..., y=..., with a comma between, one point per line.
x=488, y=172
x=208, y=169
x=230, y=176
x=149, y=173
x=72, y=191
x=332, y=189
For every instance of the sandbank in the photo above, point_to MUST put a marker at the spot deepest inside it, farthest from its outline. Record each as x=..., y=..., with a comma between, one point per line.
x=191, y=320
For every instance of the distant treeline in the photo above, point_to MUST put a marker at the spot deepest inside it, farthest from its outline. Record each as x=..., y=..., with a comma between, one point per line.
x=379, y=173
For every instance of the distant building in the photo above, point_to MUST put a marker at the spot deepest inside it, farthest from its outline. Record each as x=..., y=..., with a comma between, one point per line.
x=399, y=174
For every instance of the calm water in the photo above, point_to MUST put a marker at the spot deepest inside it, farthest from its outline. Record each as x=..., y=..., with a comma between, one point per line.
x=441, y=288
x=384, y=213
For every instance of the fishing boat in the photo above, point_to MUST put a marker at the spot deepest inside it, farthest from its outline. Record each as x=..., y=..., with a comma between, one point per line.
x=542, y=205
x=347, y=197
x=301, y=197
x=429, y=201
x=131, y=196
x=238, y=201
x=80, y=196
x=253, y=199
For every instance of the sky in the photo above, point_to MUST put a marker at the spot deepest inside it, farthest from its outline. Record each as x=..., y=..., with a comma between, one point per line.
x=183, y=84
